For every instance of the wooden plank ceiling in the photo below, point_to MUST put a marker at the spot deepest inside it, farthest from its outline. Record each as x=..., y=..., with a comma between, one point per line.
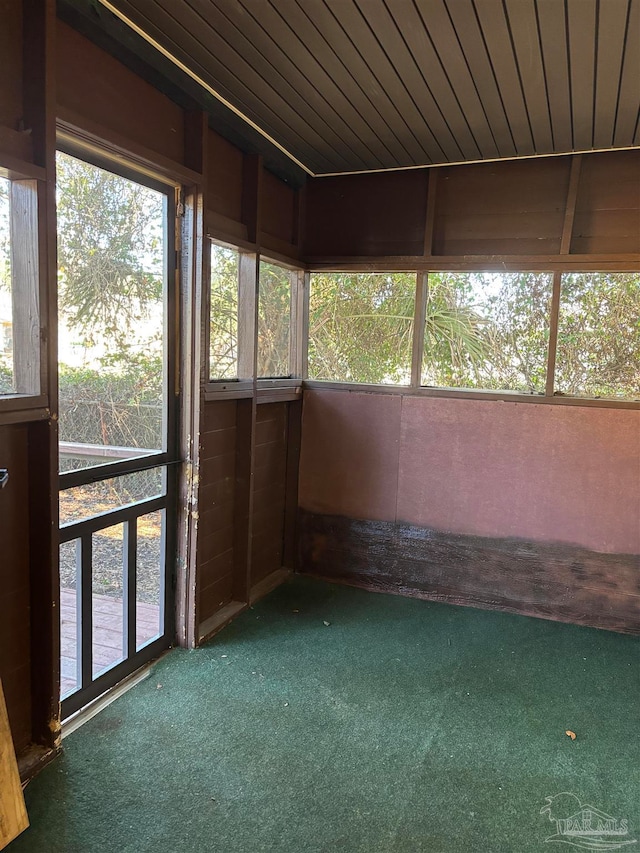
x=359, y=85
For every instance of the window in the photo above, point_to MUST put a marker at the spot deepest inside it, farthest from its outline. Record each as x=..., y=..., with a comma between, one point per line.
x=111, y=315
x=487, y=330
x=223, y=317
x=274, y=321
x=598, y=352
x=361, y=327
x=19, y=289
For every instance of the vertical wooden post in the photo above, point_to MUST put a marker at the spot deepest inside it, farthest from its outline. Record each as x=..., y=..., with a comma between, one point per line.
x=553, y=334
x=39, y=30
x=193, y=361
x=419, y=318
x=565, y=247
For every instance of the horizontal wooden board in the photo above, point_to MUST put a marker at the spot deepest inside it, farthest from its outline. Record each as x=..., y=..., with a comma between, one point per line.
x=213, y=597
x=93, y=84
x=11, y=108
x=278, y=208
x=224, y=188
x=551, y=581
x=381, y=214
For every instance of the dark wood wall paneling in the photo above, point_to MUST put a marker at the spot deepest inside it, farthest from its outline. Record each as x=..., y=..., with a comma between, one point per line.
x=607, y=217
x=510, y=209
x=15, y=643
x=100, y=91
x=269, y=491
x=279, y=216
x=13, y=140
x=368, y=215
x=231, y=180
x=216, y=508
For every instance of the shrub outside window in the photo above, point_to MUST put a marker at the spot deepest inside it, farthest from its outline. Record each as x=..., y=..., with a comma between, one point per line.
x=361, y=327
x=223, y=316
x=598, y=352
x=487, y=331
x=274, y=321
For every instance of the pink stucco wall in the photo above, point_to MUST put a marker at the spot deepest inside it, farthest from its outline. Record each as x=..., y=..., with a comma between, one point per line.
x=541, y=472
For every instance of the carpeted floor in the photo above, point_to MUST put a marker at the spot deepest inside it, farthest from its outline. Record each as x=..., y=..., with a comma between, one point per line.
x=332, y=719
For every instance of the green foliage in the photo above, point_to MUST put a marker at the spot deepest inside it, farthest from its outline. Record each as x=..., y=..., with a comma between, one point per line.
x=274, y=319
x=599, y=335
x=109, y=251
x=118, y=405
x=487, y=331
x=361, y=327
x=223, y=316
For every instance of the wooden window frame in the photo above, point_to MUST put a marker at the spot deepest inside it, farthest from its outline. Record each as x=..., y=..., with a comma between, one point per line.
x=27, y=206
x=549, y=396
x=248, y=384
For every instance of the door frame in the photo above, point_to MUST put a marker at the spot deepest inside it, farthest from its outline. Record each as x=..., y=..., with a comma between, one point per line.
x=170, y=459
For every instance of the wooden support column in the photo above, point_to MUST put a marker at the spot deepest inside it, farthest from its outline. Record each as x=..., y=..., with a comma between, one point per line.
x=419, y=319
x=565, y=247
x=194, y=295
x=39, y=96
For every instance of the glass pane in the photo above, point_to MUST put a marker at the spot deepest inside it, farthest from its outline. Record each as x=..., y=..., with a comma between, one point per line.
x=274, y=320
x=70, y=675
x=487, y=330
x=94, y=498
x=223, y=336
x=6, y=311
x=361, y=327
x=150, y=577
x=598, y=351
x=107, y=593
x=111, y=263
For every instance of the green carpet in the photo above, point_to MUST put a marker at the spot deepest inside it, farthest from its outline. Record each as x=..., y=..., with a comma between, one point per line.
x=400, y=725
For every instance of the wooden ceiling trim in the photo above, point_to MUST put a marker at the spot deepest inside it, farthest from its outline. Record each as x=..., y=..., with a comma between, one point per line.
x=253, y=43
x=628, y=110
x=318, y=88
x=362, y=43
x=437, y=23
x=525, y=37
x=581, y=18
x=342, y=80
x=555, y=58
x=424, y=74
x=470, y=36
x=498, y=40
x=183, y=28
x=612, y=26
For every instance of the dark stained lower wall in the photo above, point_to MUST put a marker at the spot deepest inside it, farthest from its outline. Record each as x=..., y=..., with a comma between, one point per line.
x=524, y=506
x=269, y=490
x=216, y=507
x=15, y=656
x=553, y=581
